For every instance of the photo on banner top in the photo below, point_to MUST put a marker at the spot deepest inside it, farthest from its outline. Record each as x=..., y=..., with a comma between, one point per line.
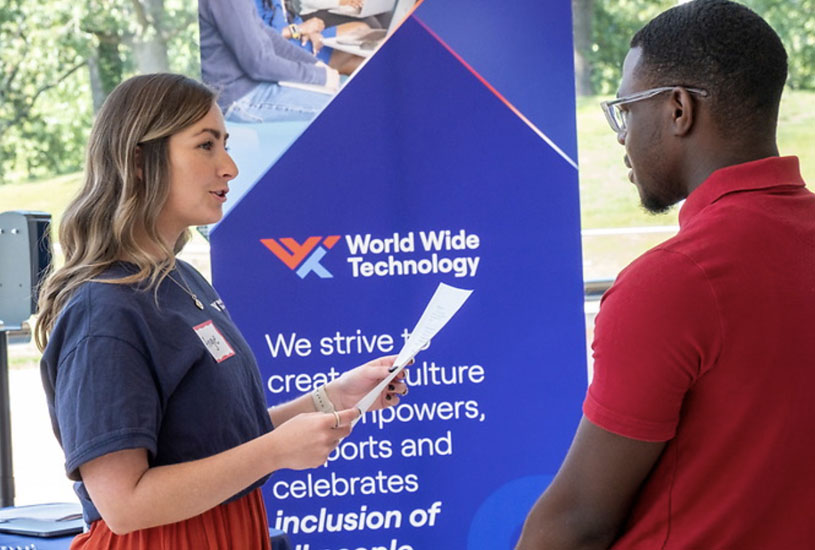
x=277, y=63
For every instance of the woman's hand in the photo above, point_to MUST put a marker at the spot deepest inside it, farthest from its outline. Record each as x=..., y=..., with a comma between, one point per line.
x=353, y=3
x=306, y=440
x=353, y=385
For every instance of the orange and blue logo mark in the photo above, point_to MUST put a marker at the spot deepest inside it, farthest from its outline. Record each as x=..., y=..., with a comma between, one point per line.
x=303, y=258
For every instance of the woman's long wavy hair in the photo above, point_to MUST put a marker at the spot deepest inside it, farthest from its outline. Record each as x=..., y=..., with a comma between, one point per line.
x=126, y=183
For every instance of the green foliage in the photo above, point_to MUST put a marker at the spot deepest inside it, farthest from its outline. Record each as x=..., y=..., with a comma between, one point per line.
x=47, y=47
x=794, y=21
x=183, y=46
x=123, y=26
x=614, y=22
x=40, y=60
x=47, y=90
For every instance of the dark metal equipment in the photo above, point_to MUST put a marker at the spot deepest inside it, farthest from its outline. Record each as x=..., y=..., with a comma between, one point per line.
x=25, y=255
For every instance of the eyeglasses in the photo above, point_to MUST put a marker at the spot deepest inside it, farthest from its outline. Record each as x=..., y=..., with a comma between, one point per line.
x=618, y=118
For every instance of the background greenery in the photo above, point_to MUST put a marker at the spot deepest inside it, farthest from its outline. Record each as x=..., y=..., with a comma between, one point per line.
x=603, y=29
x=59, y=59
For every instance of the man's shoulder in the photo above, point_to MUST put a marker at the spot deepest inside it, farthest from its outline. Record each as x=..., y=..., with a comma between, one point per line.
x=663, y=260
x=664, y=277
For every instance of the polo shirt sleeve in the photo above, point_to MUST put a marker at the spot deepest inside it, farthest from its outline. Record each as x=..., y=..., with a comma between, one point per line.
x=658, y=330
x=106, y=400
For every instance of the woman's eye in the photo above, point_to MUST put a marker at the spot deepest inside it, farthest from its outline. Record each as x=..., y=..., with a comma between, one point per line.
x=206, y=145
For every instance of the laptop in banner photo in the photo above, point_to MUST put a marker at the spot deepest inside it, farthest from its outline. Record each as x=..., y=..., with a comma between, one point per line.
x=369, y=7
x=365, y=41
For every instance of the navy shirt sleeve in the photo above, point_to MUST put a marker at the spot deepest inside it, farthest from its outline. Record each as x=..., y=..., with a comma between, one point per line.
x=106, y=400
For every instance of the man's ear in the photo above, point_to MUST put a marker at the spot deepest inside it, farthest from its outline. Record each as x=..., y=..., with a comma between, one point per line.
x=683, y=115
x=139, y=156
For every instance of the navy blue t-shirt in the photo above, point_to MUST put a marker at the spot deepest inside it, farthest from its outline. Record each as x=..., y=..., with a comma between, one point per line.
x=127, y=368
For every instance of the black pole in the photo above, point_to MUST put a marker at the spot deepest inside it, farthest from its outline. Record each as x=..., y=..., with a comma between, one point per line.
x=6, y=470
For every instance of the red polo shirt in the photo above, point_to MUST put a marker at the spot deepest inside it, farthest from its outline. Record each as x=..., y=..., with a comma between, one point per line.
x=708, y=342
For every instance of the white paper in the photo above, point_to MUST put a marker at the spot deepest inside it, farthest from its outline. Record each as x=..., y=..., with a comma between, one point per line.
x=445, y=302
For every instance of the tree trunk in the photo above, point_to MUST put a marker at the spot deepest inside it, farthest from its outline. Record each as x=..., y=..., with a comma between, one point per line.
x=151, y=55
x=106, y=68
x=150, y=45
x=582, y=11
x=97, y=93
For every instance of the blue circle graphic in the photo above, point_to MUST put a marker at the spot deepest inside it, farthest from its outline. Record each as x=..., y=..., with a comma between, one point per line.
x=497, y=522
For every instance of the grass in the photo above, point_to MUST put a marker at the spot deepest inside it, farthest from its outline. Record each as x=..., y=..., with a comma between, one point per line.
x=607, y=198
x=47, y=195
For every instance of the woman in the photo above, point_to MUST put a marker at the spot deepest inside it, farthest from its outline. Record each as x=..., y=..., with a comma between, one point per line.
x=154, y=395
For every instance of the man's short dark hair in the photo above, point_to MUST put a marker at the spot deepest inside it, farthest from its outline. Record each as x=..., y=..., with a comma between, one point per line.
x=725, y=48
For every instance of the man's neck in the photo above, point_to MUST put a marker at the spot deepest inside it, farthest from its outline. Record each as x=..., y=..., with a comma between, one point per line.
x=722, y=157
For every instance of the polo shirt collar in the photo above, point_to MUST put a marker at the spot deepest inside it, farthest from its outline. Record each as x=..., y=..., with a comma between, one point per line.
x=757, y=174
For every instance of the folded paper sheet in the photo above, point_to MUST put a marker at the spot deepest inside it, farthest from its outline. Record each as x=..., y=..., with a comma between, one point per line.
x=445, y=302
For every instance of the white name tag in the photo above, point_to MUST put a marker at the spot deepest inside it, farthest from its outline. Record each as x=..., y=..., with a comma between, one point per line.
x=214, y=341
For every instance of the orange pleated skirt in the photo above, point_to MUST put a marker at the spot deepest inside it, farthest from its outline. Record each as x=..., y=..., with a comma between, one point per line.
x=240, y=524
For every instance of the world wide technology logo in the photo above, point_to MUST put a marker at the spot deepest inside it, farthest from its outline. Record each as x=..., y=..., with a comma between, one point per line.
x=303, y=258
x=421, y=253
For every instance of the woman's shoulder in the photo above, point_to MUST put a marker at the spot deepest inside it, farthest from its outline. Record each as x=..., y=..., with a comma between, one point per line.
x=100, y=309
x=187, y=269
x=103, y=304
x=192, y=275
x=106, y=288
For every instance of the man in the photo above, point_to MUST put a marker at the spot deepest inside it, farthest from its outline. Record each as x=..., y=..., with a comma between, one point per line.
x=697, y=425
x=244, y=60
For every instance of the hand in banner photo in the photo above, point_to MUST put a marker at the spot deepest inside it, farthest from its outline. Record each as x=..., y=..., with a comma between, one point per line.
x=353, y=385
x=311, y=31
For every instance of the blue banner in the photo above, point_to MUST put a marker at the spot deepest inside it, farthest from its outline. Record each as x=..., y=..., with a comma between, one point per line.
x=448, y=157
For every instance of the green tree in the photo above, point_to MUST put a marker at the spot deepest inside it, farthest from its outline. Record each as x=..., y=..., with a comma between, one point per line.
x=794, y=21
x=582, y=11
x=59, y=60
x=139, y=36
x=610, y=24
x=614, y=22
x=39, y=61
